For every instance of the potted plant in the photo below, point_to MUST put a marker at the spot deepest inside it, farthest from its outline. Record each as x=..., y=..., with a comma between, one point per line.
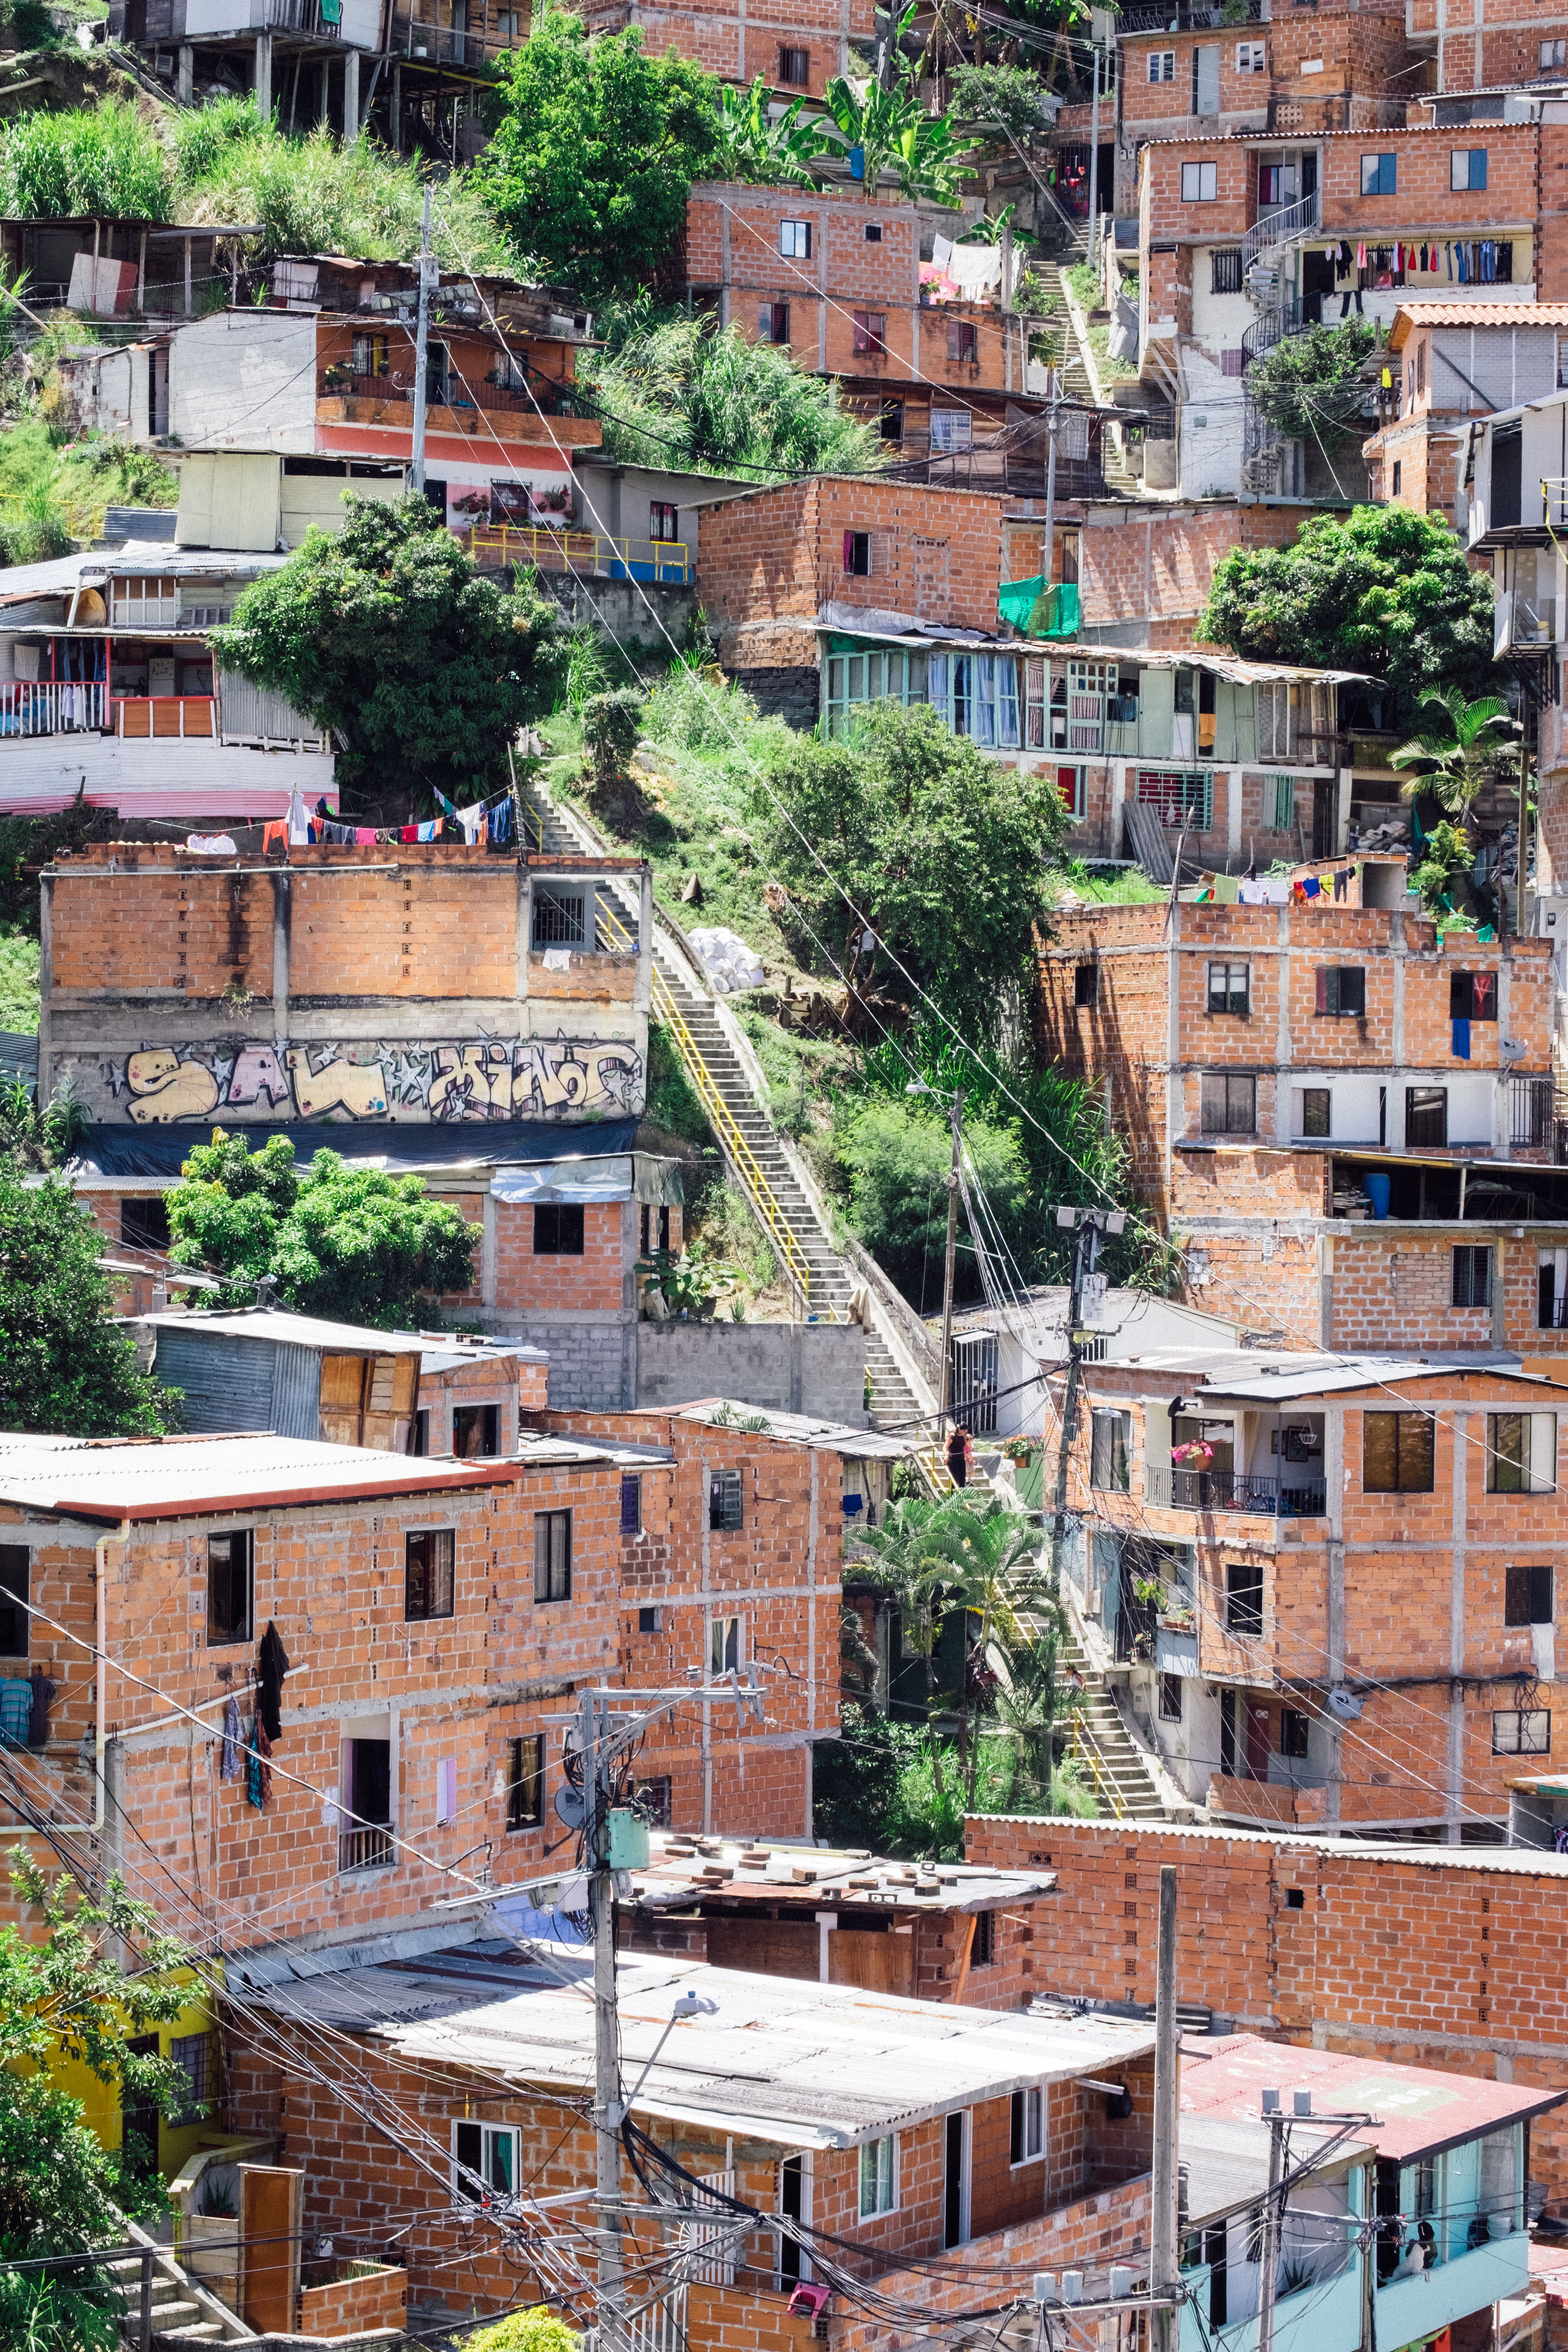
x=1019, y=1451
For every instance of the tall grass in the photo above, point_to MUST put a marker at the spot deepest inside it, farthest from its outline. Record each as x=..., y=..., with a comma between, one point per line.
x=311, y=196
x=670, y=393
x=102, y=160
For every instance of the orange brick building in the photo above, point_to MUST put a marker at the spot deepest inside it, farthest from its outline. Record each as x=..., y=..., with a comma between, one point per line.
x=438, y=1615
x=480, y=1019
x=1487, y=45
x=924, y=336
x=1451, y=362
x=1145, y=569
x=1329, y=1585
x=919, y=2140
x=799, y=52
x=1430, y=1957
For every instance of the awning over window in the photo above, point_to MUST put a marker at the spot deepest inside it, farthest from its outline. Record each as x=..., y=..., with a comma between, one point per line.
x=620, y=1176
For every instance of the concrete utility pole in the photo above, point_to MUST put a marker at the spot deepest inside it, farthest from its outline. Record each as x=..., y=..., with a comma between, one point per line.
x=1094, y=163
x=1053, y=426
x=421, y=351
x=1164, y=2275
x=1273, y=2215
x=594, y=1722
x=1087, y=1226
x=955, y=1121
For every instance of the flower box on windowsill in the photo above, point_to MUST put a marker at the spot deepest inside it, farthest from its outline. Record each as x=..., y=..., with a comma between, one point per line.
x=1176, y=1621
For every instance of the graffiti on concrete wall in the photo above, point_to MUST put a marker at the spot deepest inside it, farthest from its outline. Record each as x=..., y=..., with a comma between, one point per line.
x=488, y=1078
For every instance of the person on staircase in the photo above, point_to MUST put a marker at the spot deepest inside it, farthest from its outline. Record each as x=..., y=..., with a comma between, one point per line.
x=958, y=1454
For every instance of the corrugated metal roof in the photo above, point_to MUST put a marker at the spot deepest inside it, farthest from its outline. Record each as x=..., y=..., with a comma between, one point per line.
x=441, y=1351
x=1271, y=1373
x=1225, y=2160
x=61, y=574
x=1417, y=2109
x=835, y=1878
x=798, y=2064
x=171, y=1478
x=800, y=1429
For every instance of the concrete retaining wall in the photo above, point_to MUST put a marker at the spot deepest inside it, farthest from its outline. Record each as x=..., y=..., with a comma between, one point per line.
x=814, y=1367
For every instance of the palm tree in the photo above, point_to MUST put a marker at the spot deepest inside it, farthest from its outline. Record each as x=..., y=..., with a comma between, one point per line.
x=756, y=147
x=1455, y=757
x=895, y=137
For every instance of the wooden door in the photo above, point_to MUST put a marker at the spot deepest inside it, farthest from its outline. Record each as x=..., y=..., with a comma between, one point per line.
x=270, y=2199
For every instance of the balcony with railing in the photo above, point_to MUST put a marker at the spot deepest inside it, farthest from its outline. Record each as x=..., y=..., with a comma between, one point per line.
x=1187, y=16
x=421, y=42
x=587, y=554
x=1531, y=1114
x=46, y=706
x=540, y=411
x=321, y=20
x=1232, y=1490
x=371, y=1846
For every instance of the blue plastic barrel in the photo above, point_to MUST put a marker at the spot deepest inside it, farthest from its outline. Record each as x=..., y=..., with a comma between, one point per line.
x=1378, y=1189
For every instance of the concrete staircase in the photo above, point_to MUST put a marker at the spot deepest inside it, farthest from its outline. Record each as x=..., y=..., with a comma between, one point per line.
x=901, y=1398
x=1114, y=1764
x=177, y=2305
x=1076, y=383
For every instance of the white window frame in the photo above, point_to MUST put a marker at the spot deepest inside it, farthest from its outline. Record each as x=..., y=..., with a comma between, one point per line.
x=1200, y=183
x=1251, y=57
x=795, y=240
x=1162, y=64
x=951, y=429
x=464, y=2197
x=1034, y=2097
x=1538, y=1470
x=719, y=1630
x=884, y=2154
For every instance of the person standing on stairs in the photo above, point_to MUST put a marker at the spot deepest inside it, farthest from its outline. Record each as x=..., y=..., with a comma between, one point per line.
x=958, y=1451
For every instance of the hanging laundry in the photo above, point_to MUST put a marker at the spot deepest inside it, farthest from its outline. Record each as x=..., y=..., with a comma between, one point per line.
x=365, y=835
x=212, y=845
x=429, y=830
x=275, y=834
x=410, y=833
x=229, y=1767
x=1449, y=253
x=298, y=824
x=1462, y=1041
x=341, y=833
x=16, y=1711
x=44, y=1693
x=272, y=1664
x=259, y=1772
x=1341, y=883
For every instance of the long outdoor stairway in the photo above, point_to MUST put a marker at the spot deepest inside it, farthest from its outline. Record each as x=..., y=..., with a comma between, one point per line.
x=176, y=2308
x=1112, y=1762
x=901, y=1399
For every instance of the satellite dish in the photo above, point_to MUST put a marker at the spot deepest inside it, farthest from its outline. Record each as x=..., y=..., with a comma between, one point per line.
x=1342, y=1703
x=571, y=1806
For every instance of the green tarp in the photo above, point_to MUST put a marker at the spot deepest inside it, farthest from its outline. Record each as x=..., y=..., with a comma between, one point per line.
x=1038, y=611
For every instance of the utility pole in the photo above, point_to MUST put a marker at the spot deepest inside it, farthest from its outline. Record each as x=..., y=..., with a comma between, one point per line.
x=1273, y=2216
x=1053, y=426
x=421, y=351
x=1094, y=162
x=1164, y=2275
x=1524, y=814
x=594, y=1722
x=955, y=1121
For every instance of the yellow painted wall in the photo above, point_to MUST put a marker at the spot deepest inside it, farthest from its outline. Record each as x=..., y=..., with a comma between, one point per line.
x=100, y=2101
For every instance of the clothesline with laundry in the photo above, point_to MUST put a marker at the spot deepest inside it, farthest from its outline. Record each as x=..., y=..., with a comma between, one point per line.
x=1450, y=261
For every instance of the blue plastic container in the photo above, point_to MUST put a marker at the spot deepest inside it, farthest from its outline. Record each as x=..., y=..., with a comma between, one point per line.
x=1377, y=1190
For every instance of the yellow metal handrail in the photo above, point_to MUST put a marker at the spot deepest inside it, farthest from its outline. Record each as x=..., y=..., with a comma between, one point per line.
x=578, y=551
x=744, y=1161
x=1084, y=1746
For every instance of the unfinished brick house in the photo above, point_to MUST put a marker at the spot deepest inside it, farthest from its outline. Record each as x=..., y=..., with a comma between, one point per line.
x=1328, y=1584
x=1451, y=362
x=922, y=2138
x=438, y=1612
x=1348, y=1122
x=1145, y=568
x=1429, y=1955
x=477, y=1019
x=1487, y=45
x=799, y=52
x=841, y=592
x=925, y=336
x=1243, y=240
x=943, y=1932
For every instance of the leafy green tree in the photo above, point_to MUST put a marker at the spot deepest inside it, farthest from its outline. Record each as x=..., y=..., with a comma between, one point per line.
x=63, y=1366
x=338, y=1240
x=1384, y=591
x=64, y=1992
x=942, y=850
x=593, y=151
x=386, y=633
x=669, y=393
x=1312, y=386
x=1003, y=101
x=898, y=1155
x=769, y=150
x=101, y=161
x=538, y=2330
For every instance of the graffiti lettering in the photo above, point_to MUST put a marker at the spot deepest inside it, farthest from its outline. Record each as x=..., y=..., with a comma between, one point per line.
x=456, y=1081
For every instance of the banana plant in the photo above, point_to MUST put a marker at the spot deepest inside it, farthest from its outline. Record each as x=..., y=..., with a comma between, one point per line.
x=895, y=138
x=758, y=148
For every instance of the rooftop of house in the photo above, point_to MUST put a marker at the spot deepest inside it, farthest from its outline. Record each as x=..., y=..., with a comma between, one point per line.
x=876, y=622
x=796, y=2064
x=110, y=1479
x=1438, y=312
x=1280, y=1377
x=1410, y=2111
x=1226, y=2160
x=1322, y=138
x=683, y=1871
x=794, y=1429
x=1041, y=1313
x=448, y=1148
x=440, y=1351
x=91, y=567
